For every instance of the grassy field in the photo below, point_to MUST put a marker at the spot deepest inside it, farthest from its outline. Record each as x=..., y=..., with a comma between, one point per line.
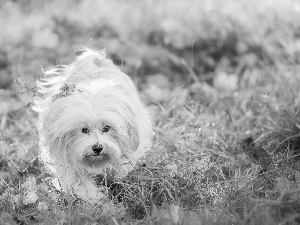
x=221, y=81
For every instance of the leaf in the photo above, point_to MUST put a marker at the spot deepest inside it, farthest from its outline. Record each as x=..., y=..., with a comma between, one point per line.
x=42, y=206
x=282, y=184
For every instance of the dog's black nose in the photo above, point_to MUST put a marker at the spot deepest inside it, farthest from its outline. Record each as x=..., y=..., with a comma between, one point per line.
x=97, y=149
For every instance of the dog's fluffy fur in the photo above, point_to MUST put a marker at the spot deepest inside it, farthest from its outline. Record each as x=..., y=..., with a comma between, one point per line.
x=86, y=104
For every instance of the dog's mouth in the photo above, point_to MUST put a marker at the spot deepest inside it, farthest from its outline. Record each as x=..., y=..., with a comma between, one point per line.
x=96, y=160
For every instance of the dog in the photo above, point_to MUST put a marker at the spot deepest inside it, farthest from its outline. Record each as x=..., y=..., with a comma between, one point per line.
x=91, y=120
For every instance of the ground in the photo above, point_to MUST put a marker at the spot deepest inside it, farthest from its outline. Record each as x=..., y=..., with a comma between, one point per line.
x=220, y=80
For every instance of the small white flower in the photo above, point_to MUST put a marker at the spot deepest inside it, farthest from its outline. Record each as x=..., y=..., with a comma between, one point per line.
x=173, y=168
x=30, y=197
x=56, y=184
x=29, y=184
x=30, y=188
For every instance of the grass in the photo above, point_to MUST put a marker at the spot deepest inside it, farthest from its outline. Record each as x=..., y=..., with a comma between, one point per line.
x=221, y=82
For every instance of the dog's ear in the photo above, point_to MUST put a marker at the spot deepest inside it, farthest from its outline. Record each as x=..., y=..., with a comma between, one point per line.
x=54, y=128
x=133, y=134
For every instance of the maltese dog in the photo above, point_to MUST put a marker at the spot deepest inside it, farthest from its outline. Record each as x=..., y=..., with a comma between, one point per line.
x=91, y=120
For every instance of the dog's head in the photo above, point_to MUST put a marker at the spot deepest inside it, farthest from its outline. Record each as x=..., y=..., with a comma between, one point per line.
x=92, y=130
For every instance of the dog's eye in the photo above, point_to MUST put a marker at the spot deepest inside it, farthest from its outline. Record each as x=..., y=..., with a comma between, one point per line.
x=105, y=129
x=85, y=130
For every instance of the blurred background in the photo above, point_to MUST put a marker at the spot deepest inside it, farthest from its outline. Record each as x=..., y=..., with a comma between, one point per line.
x=161, y=44
x=220, y=54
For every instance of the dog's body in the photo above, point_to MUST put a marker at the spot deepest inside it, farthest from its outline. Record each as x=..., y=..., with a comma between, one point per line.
x=91, y=119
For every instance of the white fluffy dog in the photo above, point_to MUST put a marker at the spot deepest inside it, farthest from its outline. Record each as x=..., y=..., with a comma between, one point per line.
x=91, y=120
